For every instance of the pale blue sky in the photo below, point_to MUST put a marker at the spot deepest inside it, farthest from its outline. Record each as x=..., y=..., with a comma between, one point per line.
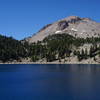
x=23, y=18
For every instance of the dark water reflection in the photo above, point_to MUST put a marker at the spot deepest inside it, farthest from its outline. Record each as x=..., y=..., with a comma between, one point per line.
x=49, y=82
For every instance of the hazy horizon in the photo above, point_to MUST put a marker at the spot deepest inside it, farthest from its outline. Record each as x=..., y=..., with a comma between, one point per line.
x=23, y=18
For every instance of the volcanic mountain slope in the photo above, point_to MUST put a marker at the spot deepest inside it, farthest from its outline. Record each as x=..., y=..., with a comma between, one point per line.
x=73, y=25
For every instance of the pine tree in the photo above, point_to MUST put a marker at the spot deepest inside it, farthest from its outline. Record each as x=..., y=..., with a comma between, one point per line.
x=86, y=54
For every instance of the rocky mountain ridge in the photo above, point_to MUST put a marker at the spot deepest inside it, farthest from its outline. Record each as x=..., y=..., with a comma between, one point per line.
x=73, y=25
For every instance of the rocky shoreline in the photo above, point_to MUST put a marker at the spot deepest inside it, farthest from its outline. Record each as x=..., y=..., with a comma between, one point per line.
x=51, y=63
x=69, y=60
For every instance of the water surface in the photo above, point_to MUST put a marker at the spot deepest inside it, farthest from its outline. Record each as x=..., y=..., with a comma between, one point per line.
x=49, y=82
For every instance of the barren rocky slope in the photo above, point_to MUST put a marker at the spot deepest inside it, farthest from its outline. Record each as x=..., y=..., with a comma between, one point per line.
x=73, y=25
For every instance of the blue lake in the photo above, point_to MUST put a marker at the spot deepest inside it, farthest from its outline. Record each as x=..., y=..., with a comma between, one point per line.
x=49, y=82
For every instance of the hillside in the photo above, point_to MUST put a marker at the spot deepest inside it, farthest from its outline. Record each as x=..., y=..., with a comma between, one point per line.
x=67, y=49
x=57, y=48
x=11, y=49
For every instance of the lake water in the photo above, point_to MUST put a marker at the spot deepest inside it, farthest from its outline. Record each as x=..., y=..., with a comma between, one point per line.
x=49, y=82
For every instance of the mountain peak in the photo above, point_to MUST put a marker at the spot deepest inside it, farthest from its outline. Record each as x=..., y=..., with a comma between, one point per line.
x=73, y=17
x=76, y=18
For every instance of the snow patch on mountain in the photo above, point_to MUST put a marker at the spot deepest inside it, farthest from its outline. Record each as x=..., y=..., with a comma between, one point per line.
x=58, y=32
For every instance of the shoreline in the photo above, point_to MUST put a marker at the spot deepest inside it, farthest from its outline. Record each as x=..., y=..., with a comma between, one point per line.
x=48, y=63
